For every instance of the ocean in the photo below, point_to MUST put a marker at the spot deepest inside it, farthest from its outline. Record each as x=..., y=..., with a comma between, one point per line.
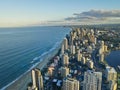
x=21, y=48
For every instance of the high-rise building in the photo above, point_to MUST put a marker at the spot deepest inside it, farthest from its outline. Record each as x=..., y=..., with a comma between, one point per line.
x=79, y=56
x=89, y=49
x=112, y=85
x=101, y=57
x=83, y=32
x=92, y=31
x=37, y=79
x=62, y=49
x=70, y=84
x=65, y=44
x=64, y=71
x=95, y=40
x=65, y=59
x=78, y=31
x=83, y=60
x=92, y=38
x=92, y=80
x=74, y=35
x=102, y=46
x=100, y=51
x=110, y=74
x=50, y=71
x=105, y=48
x=72, y=49
x=90, y=64
x=71, y=38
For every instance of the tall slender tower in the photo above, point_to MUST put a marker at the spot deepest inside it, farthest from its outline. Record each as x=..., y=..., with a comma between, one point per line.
x=102, y=46
x=65, y=59
x=62, y=49
x=73, y=49
x=37, y=79
x=65, y=44
x=79, y=56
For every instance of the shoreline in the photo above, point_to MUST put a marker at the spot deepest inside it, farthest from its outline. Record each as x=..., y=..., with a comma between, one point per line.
x=21, y=82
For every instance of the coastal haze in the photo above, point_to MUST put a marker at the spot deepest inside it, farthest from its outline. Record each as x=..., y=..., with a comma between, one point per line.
x=21, y=47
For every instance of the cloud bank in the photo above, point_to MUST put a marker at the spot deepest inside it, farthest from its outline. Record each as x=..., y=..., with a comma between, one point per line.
x=96, y=16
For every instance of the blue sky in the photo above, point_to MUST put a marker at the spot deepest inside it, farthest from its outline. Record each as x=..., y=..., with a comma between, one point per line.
x=28, y=12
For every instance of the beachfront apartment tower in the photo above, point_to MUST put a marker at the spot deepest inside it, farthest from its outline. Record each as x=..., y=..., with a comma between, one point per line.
x=65, y=44
x=92, y=80
x=62, y=49
x=37, y=79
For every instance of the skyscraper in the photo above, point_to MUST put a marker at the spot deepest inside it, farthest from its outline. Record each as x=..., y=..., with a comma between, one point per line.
x=105, y=48
x=101, y=57
x=83, y=60
x=71, y=38
x=70, y=84
x=37, y=79
x=110, y=74
x=102, y=46
x=79, y=56
x=72, y=48
x=65, y=44
x=92, y=80
x=62, y=49
x=65, y=59
x=112, y=85
x=90, y=64
x=64, y=71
